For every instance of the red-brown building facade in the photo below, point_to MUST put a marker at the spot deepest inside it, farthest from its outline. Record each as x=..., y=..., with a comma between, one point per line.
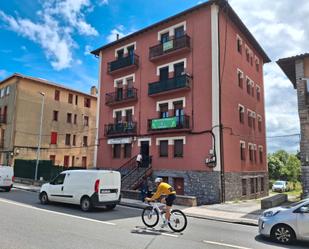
x=189, y=93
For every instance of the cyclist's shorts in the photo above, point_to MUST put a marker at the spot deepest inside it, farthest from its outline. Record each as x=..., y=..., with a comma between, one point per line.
x=170, y=199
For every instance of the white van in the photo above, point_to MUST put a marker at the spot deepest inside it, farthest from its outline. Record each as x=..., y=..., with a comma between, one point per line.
x=6, y=177
x=87, y=188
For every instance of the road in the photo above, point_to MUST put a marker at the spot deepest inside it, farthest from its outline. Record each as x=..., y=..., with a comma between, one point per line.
x=25, y=223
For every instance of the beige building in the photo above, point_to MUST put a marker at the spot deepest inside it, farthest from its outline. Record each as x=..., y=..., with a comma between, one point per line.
x=68, y=127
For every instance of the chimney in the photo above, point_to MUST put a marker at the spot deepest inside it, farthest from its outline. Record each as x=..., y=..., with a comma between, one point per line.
x=93, y=91
x=117, y=37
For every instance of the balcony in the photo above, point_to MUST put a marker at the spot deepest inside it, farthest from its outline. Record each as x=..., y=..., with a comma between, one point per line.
x=2, y=119
x=172, y=46
x=120, y=129
x=123, y=64
x=182, y=82
x=169, y=124
x=127, y=95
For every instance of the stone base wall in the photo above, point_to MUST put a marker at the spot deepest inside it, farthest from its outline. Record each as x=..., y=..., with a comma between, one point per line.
x=234, y=185
x=305, y=181
x=205, y=186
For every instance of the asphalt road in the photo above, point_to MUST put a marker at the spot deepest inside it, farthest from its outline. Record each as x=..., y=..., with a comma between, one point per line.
x=25, y=223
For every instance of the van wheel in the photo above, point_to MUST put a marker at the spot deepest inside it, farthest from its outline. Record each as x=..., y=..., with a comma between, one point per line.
x=110, y=207
x=86, y=204
x=7, y=189
x=43, y=198
x=283, y=234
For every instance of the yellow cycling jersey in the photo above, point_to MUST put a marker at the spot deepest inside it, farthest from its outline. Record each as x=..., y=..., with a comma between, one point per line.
x=163, y=189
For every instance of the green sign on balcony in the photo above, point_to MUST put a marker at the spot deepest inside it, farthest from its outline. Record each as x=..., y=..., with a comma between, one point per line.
x=163, y=123
x=167, y=45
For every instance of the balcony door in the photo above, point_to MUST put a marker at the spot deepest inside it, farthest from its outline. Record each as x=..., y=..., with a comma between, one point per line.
x=179, y=69
x=164, y=74
x=145, y=153
x=131, y=53
x=120, y=54
x=118, y=117
x=130, y=88
x=163, y=110
x=179, y=32
x=164, y=37
x=179, y=113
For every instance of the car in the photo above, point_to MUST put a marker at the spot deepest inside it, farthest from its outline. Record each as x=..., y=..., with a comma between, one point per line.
x=87, y=188
x=280, y=186
x=286, y=224
x=6, y=178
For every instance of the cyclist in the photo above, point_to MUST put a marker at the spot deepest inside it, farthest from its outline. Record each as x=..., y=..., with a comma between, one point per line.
x=164, y=189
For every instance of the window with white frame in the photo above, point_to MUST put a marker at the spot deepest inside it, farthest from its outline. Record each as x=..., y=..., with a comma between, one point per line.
x=242, y=151
x=259, y=123
x=247, y=53
x=239, y=44
x=261, y=153
x=248, y=84
x=258, y=93
x=241, y=113
x=125, y=50
x=240, y=78
x=251, y=152
x=257, y=63
x=176, y=31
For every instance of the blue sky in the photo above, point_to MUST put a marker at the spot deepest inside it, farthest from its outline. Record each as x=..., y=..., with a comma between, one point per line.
x=51, y=39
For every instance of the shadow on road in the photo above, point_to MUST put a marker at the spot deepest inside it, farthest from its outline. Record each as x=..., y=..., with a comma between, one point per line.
x=101, y=214
x=268, y=241
x=151, y=231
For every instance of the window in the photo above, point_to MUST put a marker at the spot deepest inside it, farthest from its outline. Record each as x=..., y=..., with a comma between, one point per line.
x=120, y=53
x=179, y=32
x=249, y=119
x=5, y=111
x=84, y=162
x=261, y=154
x=259, y=123
x=59, y=179
x=7, y=92
x=164, y=37
x=248, y=86
x=76, y=99
x=256, y=185
x=86, y=121
x=55, y=115
x=239, y=44
x=118, y=118
x=178, y=148
x=248, y=54
x=67, y=139
x=53, y=138
x=262, y=184
x=258, y=93
x=2, y=92
x=251, y=153
x=116, y=150
x=70, y=98
x=66, y=161
x=244, y=187
x=74, y=140
x=75, y=118
x=257, y=64
x=242, y=151
x=252, y=185
x=127, y=150
x=53, y=159
x=163, y=110
x=251, y=58
x=69, y=118
x=163, y=73
x=179, y=69
x=254, y=154
x=253, y=122
x=73, y=161
x=241, y=112
x=252, y=89
x=57, y=95
x=240, y=77
x=87, y=102
x=85, y=141
x=164, y=148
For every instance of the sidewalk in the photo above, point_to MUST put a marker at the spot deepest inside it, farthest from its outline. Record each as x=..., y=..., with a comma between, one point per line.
x=246, y=213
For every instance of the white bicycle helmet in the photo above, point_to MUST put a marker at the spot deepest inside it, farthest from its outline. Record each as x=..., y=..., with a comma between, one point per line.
x=158, y=180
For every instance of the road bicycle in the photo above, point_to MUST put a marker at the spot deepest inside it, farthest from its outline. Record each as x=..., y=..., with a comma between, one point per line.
x=151, y=215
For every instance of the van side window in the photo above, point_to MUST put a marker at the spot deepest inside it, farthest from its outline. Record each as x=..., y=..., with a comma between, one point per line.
x=59, y=179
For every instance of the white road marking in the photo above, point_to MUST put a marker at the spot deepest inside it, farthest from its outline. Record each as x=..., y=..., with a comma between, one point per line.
x=223, y=244
x=171, y=235
x=54, y=212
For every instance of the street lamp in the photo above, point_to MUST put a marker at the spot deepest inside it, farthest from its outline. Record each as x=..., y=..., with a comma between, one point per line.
x=40, y=137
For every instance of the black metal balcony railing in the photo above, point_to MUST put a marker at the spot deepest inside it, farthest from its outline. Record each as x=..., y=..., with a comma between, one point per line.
x=123, y=62
x=172, y=44
x=128, y=128
x=178, y=82
x=117, y=97
x=176, y=122
x=2, y=119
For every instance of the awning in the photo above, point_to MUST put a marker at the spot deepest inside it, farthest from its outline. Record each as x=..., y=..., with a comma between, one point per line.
x=120, y=140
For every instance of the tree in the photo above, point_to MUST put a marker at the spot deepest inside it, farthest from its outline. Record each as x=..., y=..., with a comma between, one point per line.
x=274, y=167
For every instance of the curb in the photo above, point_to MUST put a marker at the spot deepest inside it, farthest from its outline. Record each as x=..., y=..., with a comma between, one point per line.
x=139, y=206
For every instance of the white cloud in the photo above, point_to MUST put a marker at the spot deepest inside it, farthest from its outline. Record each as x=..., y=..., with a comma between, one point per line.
x=88, y=49
x=58, y=21
x=3, y=73
x=103, y=2
x=274, y=25
x=120, y=30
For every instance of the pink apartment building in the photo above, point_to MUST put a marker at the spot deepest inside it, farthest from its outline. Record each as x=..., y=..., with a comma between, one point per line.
x=188, y=94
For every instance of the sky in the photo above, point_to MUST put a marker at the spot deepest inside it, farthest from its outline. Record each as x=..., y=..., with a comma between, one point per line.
x=51, y=39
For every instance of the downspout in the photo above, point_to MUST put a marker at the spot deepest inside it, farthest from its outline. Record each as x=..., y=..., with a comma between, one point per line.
x=97, y=141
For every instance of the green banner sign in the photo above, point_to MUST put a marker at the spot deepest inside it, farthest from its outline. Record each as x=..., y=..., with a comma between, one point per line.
x=167, y=45
x=163, y=123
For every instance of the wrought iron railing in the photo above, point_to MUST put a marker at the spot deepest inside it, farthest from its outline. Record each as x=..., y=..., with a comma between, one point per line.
x=124, y=95
x=129, y=60
x=126, y=128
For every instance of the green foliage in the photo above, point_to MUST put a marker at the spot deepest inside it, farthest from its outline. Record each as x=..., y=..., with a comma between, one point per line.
x=284, y=166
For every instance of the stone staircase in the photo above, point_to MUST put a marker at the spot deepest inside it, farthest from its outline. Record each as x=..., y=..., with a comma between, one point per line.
x=132, y=176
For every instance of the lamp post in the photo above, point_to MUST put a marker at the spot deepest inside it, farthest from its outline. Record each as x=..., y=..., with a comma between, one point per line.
x=40, y=137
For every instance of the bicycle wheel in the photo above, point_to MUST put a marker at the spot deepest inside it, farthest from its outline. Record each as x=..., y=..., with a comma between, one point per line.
x=150, y=216
x=178, y=221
